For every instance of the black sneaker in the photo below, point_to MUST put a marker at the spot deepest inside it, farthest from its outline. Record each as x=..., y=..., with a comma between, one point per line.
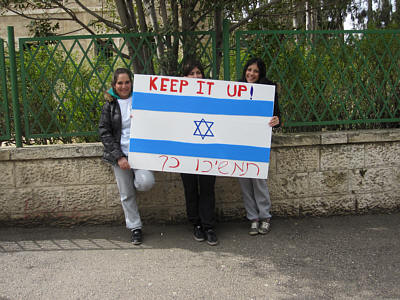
x=198, y=233
x=212, y=239
x=137, y=236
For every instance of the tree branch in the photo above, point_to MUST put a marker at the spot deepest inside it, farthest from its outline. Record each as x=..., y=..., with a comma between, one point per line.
x=256, y=12
x=98, y=17
x=73, y=16
x=36, y=18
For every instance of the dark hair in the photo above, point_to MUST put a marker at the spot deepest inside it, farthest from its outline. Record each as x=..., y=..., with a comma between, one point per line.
x=118, y=72
x=261, y=67
x=190, y=65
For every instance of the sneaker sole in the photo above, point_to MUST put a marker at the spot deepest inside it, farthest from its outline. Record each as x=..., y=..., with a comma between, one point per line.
x=198, y=239
x=212, y=243
x=137, y=243
x=253, y=233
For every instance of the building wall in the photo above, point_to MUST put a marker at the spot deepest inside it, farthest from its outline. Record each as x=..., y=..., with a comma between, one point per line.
x=20, y=24
x=315, y=174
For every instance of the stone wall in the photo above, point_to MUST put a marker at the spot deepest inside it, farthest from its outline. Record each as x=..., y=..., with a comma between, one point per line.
x=317, y=174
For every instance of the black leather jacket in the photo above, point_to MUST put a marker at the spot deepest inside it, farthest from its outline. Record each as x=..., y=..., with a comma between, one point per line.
x=277, y=111
x=110, y=130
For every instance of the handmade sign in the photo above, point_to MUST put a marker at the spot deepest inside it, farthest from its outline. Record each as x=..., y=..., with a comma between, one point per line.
x=201, y=126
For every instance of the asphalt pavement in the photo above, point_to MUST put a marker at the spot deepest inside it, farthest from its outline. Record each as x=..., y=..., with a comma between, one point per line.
x=346, y=257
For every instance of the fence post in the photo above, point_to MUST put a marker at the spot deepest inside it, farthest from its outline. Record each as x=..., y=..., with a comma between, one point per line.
x=226, y=49
x=14, y=86
x=3, y=83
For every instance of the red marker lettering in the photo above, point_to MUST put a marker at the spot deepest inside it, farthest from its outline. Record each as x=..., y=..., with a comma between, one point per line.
x=166, y=158
x=211, y=165
x=153, y=83
x=173, y=83
x=253, y=164
x=242, y=88
x=240, y=168
x=228, y=91
x=200, y=91
x=163, y=84
x=222, y=165
x=183, y=83
x=210, y=84
x=177, y=163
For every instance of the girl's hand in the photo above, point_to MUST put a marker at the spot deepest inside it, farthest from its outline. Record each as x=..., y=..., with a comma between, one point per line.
x=123, y=163
x=274, y=121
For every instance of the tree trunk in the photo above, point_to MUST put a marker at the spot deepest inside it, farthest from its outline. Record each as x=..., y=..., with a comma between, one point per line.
x=369, y=14
x=218, y=20
x=189, y=41
x=150, y=8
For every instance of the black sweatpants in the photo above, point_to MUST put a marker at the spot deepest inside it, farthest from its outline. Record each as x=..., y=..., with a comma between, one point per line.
x=200, y=199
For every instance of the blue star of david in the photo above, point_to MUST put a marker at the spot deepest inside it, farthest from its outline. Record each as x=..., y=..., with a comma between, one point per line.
x=206, y=127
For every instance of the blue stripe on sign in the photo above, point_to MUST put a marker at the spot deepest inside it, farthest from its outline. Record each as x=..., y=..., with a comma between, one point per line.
x=220, y=151
x=202, y=105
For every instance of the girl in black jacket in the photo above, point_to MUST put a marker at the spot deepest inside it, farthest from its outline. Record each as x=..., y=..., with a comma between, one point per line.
x=114, y=131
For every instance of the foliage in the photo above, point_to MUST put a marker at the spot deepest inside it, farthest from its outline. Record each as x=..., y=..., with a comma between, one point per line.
x=63, y=94
x=326, y=81
x=332, y=81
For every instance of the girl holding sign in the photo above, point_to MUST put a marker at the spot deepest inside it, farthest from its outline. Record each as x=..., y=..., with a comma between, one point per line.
x=199, y=189
x=114, y=131
x=255, y=191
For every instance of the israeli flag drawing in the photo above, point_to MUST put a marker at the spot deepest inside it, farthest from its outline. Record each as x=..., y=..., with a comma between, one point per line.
x=201, y=126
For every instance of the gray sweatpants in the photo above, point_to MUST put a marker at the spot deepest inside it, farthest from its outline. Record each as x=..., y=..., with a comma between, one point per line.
x=127, y=192
x=256, y=198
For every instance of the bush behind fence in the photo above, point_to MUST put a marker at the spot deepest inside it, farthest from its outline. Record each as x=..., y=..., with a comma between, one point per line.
x=327, y=79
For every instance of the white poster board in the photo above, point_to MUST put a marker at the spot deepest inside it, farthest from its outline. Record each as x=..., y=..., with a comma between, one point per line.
x=201, y=126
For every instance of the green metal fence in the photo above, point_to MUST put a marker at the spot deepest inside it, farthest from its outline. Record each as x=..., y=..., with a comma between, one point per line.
x=63, y=78
x=342, y=78
x=327, y=79
x=4, y=110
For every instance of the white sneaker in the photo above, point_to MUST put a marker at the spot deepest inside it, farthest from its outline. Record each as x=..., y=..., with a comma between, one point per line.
x=253, y=228
x=265, y=227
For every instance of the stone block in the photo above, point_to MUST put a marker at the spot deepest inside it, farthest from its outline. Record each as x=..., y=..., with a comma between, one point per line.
x=327, y=183
x=112, y=196
x=373, y=136
x=7, y=174
x=47, y=172
x=285, y=207
x=227, y=190
x=166, y=176
x=289, y=186
x=378, y=202
x=91, y=149
x=5, y=154
x=85, y=197
x=57, y=151
x=49, y=199
x=14, y=200
x=382, y=154
x=162, y=194
x=95, y=171
x=342, y=157
x=396, y=176
x=372, y=180
x=230, y=211
x=272, y=163
x=297, y=159
x=295, y=139
x=327, y=206
x=337, y=137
